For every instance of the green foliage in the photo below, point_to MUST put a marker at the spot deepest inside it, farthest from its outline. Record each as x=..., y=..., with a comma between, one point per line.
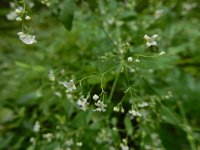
x=67, y=14
x=147, y=97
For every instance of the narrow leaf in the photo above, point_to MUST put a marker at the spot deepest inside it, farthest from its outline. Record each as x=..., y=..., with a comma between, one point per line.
x=67, y=14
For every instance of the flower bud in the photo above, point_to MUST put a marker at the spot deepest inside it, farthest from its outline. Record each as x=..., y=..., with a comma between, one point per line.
x=18, y=11
x=137, y=60
x=129, y=59
x=19, y=19
x=95, y=97
x=27, y=17
x=116, y=109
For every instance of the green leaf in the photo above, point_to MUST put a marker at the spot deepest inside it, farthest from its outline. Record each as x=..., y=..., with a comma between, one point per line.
x=6, y=115
x=67, y=14
x=128, y=126
x=169, y=117
x=22, y=65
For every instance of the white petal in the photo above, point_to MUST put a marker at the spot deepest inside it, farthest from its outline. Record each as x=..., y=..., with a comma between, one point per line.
x=146, y=37
x=154, y=43
x=11, y=15
x=155, y=36
x=148, y=44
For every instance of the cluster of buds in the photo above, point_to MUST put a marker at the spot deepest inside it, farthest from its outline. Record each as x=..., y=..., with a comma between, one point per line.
x=20, y=14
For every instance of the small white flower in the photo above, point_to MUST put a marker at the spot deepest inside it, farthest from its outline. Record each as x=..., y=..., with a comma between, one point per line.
x=137, y=60
x=100, y=106
x=162, y=53
x=134, y=113
x=144, y=104
x=11, y=15
x=48, y=137
x=27, y=17
x=19, y=19
x=150, y=40
x=26, y=38
x=36, y=127
x=82, y=103
x=18, y=11
x=95, y=97
x=129, y=59
x=69, y=85
x=69, y=142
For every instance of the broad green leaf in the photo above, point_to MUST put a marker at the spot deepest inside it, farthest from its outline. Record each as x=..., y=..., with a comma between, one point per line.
x=67, y=14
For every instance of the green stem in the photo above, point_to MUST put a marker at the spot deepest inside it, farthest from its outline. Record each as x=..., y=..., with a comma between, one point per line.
x=186, y=125
x=114, y=84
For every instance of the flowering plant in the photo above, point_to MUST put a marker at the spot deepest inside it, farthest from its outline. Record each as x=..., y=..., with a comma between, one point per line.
x=100, y=75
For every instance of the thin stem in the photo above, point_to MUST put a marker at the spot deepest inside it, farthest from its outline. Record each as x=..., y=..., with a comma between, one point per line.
x=187, y=128
x=114, y=84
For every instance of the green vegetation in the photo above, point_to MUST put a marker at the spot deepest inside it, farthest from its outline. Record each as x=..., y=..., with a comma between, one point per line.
x=100, y=75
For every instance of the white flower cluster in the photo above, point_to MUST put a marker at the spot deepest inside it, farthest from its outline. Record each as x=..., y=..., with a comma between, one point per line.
x=26, y=38
x=70, y=86
x=20, y=14
x=100, y=106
